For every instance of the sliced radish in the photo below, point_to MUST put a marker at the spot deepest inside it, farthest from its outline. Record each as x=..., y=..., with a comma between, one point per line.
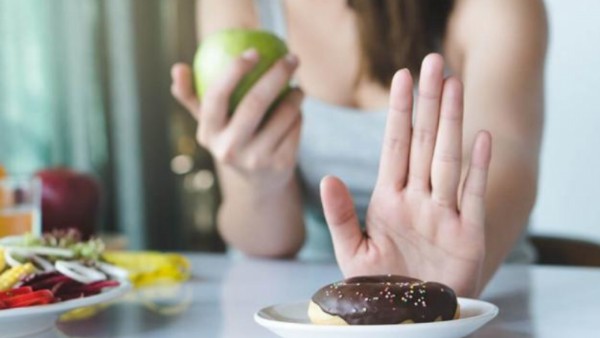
x=40, y=262
x=8, y=240
x=43, y=263
x=41, y=250
x=79, y=272
x=114, y=271
x=12, y=262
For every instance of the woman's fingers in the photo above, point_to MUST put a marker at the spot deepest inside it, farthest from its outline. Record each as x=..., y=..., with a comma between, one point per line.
x=182, y=88
x=447, y=157
x=215, y=103
x=341, y=217
x=286, y=152
x=473, y=196
x=393, y=166
x=279, y=123
x=426, y=124
x=255, y=104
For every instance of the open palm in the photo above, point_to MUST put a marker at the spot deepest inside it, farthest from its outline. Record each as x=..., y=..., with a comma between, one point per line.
x=417, y=225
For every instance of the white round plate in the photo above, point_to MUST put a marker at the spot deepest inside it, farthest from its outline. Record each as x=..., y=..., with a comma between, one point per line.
x=291, y=321
x=26, y=321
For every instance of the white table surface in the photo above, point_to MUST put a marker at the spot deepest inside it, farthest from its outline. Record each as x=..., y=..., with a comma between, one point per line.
x=221, y=299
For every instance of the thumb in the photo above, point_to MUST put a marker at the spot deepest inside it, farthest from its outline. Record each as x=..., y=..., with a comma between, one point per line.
x=341, y=217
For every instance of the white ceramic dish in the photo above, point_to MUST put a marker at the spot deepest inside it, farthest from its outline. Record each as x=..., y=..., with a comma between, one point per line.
x=22, y=322
x=291, y=321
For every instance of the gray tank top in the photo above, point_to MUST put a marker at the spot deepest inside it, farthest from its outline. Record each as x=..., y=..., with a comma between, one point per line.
x=340, y=141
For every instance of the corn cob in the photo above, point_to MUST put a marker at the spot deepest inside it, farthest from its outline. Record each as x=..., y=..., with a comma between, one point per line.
x=10, y=277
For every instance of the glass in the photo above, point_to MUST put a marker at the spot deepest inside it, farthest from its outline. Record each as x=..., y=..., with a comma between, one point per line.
x=20, y=206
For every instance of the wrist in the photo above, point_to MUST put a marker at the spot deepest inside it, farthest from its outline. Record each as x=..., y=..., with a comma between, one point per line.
x=258, y=184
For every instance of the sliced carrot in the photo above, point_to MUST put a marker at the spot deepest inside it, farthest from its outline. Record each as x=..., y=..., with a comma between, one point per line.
x=29, y=299
x=15, y=292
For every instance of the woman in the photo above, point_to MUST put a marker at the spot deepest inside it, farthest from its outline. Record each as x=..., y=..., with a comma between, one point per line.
x=431, y=214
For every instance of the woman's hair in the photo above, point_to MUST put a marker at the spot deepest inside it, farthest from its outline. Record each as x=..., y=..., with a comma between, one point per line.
x=398, y=34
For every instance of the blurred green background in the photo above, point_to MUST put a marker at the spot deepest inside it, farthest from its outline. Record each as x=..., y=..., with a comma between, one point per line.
x=85, y=83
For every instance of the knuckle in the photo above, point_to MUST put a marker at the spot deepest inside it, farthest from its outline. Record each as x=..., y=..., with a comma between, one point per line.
x=255, y=101
x=255, y=162
x=400, y=108
x=215, y=94
x=452, y=117
x=447, y=157
x=285, y=111
x=283, y=67
x=224, y=154
x=429, y=95
x=396, y=144
x=423, y=136
x=344, y=215
x=238, y=67
x=418, y=184
x=475, y=189
x=444, y=200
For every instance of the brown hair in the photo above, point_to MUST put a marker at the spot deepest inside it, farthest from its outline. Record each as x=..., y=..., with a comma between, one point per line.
x=398, y=34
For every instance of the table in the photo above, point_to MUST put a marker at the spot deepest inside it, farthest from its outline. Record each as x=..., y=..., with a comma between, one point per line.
x=221, y=299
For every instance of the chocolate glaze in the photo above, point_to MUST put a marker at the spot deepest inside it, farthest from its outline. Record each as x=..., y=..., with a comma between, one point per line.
x=386, y=299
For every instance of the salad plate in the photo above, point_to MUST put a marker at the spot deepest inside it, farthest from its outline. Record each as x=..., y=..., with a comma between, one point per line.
x=291, y=320
x=20, y=322
x=42, y=277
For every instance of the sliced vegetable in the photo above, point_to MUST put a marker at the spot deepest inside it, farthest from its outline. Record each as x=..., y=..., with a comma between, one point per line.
x=29, y=299
x=79, y=272
x=11, y=277
x=41, y=250
x=114, y=271
x=49, y=282
x=15, y=292
x=10, y=260
x=97, y=286
x=55, y=267
x=2, y=260
x=67, y=239
x=61, y=285
x=43, y=264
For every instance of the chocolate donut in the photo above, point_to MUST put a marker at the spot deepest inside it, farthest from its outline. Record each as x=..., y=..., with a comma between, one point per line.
x=376, y=300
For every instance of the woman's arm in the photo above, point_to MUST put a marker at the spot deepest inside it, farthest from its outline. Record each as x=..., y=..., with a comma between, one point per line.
x=261, y=213
x=501, y=51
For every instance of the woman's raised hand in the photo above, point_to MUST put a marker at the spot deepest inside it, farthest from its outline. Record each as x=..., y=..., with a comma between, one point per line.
x=265, y=155
x=417, y=224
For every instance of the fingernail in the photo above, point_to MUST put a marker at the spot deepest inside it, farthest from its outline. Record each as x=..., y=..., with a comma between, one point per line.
x=292, y=60
x=250, y=54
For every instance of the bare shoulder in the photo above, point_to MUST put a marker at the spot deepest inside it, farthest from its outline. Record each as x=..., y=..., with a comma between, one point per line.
x=517, y=27
x=214, y=15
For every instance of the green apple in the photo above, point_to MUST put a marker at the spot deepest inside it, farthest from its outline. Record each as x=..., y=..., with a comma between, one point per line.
x=218, y=50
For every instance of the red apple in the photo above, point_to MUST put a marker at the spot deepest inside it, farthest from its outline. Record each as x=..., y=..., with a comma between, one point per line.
x=70, y=199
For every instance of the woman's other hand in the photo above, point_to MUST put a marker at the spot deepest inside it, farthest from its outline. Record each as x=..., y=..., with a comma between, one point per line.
x=420, y=221
x=264, y=155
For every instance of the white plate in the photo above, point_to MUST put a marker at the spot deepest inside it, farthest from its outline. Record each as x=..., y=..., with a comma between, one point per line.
x=291, y=321
x=30, y=320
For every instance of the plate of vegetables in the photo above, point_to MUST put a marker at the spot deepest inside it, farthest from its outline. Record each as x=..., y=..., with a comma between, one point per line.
x=43, y=277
